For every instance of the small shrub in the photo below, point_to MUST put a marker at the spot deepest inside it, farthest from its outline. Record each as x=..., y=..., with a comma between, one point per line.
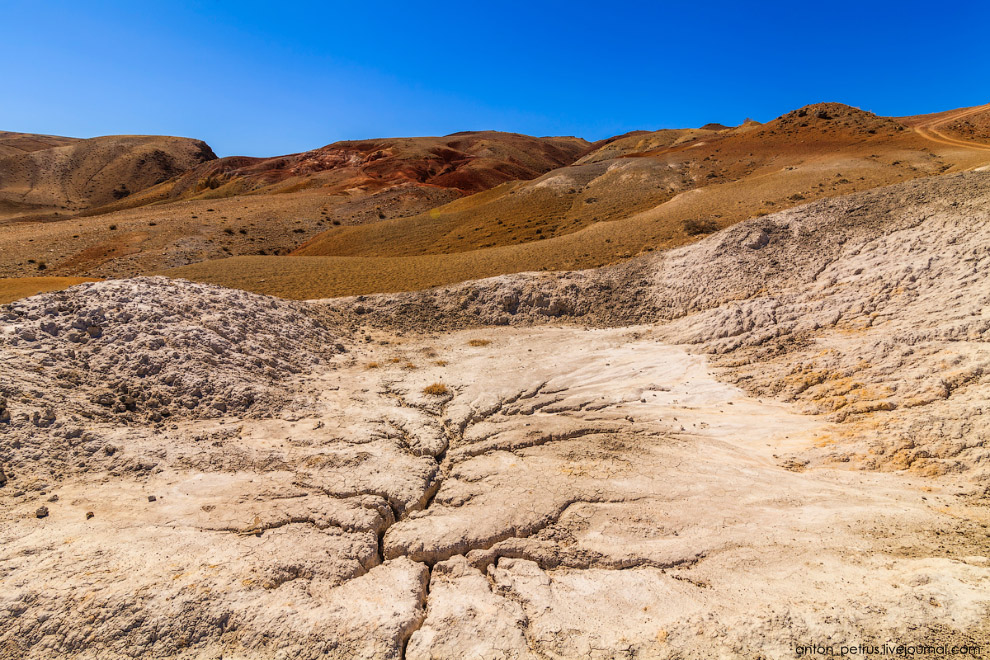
x=436, y=389
x=479, y=342
x=113, y=227
x=42, y=265
x=441, y=363
x=704, y=226
x=372, y=365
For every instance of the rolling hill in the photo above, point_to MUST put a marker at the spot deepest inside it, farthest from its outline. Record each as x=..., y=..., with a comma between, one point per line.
x=250, y=206
x=643, y=192
x=70, y=176
x=404, y=214
x=15, y=144
x=465, y=162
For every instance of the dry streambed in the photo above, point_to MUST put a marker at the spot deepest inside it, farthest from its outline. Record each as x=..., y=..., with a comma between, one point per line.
x=565, y=493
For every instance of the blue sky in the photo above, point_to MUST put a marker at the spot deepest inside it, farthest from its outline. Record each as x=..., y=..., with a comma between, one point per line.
x=267, y=78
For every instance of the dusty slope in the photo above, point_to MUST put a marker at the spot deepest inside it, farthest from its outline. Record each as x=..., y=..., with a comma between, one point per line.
x=43, y=183
x=755, y=466
x=962, y=128
x=15, y=288
x=596, y=212
x=237, y=206
x=818, y=151
x=12, y=144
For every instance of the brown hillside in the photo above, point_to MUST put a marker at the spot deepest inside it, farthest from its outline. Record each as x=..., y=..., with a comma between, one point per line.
x=964, y=126
x=635, y=193
x=818, y=151
x=678, y=188
x=15, y=288
x=463, y=162
x=63, y=180
x=257, y=206
x=13, y=144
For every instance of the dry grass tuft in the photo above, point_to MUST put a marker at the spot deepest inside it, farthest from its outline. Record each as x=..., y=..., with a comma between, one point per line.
x=436, y=389
x=479, y=342
x=372, y=365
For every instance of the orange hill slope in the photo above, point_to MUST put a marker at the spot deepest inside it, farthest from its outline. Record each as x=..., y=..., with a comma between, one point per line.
x=15, y=288
x=464, y=162
x=656, y=191
x=966, y=127
x=814, y=152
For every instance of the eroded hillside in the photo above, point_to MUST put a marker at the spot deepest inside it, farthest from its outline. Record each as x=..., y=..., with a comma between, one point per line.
x=237, y=205
x=681, y=187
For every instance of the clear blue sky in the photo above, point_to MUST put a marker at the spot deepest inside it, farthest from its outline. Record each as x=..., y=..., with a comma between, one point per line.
x=267, y=78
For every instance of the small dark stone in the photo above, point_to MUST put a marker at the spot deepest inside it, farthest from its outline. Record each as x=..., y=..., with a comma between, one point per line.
x=53, y=498
x=89, y=514
x=152, y=498
x=42, y=512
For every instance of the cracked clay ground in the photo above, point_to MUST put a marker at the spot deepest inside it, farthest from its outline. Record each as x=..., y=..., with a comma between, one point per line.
x=577, y=493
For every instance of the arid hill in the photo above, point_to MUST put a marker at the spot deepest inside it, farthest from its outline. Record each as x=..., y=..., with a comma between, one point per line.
x=466, y=162
x=642, y=192
x=962, y=127
x=62, y=180
x=394, y=215
x=238, y=205
x=13, y=144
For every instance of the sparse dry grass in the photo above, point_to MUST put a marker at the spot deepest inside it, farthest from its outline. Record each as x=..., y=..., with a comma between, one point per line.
x=436, y=389
x=479, y=342
x=372, y=365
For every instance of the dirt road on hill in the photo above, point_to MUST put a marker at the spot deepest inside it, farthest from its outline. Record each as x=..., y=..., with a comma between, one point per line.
x=929, y=130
